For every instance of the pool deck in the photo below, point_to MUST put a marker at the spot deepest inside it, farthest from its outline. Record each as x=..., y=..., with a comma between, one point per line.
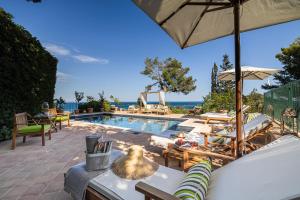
x=34, y=172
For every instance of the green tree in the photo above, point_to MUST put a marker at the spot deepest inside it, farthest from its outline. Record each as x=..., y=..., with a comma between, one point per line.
x=290, y=58
x=27, y=73
x=226, y=86
x=59, y=103
x=255, y=100
x=104, y=104
x=79, y=96
x=115, y=100
x=214, y=79
x=169, y=75
x=222, y=93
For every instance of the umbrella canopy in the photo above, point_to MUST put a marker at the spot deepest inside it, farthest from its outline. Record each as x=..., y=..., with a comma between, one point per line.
x=248, y=73
x=191, y=22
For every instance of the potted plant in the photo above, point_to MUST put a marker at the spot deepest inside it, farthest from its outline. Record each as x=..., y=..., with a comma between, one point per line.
x=78, y=97
x=90, y=101
x=116, y=104
x=104, y=104
x=59, y=104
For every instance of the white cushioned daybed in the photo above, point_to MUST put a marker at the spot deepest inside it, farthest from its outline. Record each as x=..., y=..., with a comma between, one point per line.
x=271, y=172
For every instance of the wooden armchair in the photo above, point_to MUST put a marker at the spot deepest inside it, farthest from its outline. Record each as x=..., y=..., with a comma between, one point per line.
x=24, y=126
x=151, y=192
x=59, y=117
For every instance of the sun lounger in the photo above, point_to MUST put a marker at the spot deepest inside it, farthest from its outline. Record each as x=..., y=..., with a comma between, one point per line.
x=254, y=128
x=222, y=140
x=271, y=172
x=223, y=117
x=163, y=110
x=132, y=109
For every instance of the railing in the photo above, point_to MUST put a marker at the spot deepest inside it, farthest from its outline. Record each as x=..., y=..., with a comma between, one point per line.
x=278, y=99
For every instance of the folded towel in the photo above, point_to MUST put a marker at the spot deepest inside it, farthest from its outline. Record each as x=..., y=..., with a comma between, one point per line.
x=77, y=177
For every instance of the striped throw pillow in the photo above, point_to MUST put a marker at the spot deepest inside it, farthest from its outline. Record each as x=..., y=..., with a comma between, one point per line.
x=195, y=183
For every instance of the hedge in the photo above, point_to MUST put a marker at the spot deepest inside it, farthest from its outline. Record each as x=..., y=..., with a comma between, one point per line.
x=27, y=73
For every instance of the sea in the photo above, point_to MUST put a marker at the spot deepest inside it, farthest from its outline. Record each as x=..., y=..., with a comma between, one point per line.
x=71, y=106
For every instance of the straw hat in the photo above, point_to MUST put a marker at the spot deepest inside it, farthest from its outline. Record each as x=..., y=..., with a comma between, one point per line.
x=134, y=166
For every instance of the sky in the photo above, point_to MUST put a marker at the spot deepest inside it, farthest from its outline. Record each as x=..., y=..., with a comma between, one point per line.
x=101, y=45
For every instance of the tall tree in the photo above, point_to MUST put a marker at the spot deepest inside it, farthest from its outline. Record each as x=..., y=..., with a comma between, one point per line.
x=222, y=93
x=214, y=79
x=169, y=75
x=226, y=86
x=290, y=58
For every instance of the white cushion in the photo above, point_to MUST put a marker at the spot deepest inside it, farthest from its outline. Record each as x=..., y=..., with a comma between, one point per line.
x=268, y=173
x=165, y=179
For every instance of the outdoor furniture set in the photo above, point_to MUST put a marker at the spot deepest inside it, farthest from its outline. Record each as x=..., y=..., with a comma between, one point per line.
x=38, y=125
x=248, y=175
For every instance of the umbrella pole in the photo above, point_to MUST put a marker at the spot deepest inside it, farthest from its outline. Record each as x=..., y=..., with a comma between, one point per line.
x=238, y=81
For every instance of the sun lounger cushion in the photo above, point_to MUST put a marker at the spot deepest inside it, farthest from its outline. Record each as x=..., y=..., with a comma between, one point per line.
x=195, y=183
x=271, y=172
x=33, y=129
x=116, y=188
x=61, y=118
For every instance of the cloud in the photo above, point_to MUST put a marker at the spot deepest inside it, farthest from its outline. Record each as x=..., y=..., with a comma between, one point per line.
x=62, y=77
x=63, y=51
x=90, y=59
x=57, y=50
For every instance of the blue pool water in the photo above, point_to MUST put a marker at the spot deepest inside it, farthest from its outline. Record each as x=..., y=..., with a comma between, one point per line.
x=71, y=106
x=154, y=126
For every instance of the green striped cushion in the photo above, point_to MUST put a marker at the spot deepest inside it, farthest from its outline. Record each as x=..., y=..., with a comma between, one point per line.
x=195, y=183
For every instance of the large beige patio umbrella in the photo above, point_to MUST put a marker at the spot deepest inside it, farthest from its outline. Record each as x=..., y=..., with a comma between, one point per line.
x=191, y=22
x=248, y=73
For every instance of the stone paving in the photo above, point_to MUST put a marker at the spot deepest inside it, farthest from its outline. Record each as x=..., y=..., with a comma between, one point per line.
x=32, y=171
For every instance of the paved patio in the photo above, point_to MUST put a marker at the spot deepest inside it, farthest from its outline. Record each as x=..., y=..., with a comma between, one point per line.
x=32, y=171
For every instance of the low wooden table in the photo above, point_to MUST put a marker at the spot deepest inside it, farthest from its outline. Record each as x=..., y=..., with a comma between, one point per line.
x=44, y=119
x=188, y=157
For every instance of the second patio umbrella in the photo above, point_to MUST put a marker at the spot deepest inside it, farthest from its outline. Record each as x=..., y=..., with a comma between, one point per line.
x=248, y=73
x=191, y=22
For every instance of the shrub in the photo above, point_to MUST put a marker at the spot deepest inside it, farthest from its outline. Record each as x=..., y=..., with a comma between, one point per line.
x=27, y=73
x=179, y=110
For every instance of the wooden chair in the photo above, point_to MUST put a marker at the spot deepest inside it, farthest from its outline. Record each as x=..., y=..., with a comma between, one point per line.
x=24, y=126
x=59, y=117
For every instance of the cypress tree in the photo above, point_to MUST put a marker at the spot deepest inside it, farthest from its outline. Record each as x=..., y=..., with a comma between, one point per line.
x=214, y=79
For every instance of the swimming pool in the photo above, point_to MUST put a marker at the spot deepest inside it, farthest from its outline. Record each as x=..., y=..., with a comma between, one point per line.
x=139, y=124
